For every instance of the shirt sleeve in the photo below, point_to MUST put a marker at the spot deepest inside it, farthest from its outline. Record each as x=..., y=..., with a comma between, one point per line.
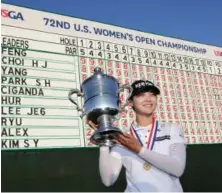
x=110, y=164
x=175, y=162
x=177, y=135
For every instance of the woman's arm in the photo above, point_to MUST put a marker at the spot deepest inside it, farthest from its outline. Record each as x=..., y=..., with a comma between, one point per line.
x=174, y=163
x=110, y=165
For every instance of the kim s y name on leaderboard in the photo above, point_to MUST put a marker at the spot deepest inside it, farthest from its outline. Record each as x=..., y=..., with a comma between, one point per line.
x=152, y=152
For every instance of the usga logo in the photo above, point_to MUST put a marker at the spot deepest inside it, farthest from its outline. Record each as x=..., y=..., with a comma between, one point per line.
x=11, y=14
x=217, y=53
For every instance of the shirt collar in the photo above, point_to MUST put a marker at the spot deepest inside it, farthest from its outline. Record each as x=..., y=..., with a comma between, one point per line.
x=137, y=127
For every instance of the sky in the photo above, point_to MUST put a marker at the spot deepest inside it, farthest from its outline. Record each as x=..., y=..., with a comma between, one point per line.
x=192, y=20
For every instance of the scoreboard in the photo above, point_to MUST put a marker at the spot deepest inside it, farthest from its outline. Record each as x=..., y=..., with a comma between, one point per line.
x=44, y=55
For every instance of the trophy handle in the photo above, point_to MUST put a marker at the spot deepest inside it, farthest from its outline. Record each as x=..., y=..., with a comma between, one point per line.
x=75, y=91
x=121, y=89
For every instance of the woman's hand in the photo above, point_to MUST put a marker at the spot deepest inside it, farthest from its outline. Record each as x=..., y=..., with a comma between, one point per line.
x=92, y=125
x=129, y=142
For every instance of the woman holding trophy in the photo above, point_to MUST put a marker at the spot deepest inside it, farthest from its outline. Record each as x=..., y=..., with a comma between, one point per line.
x=152, y=152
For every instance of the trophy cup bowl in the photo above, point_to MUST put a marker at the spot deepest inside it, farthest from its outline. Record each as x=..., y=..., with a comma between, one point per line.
x=101, y=105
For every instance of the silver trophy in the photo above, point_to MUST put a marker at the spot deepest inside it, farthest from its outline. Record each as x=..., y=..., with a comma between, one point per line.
x=101, y=105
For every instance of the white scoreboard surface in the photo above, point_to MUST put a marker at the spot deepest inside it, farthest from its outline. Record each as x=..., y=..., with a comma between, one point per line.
x=44, y=55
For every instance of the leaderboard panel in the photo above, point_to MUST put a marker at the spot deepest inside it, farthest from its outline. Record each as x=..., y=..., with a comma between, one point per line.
x=36, y=79
x=40, y=65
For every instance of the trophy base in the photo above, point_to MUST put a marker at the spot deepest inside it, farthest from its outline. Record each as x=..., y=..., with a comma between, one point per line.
x=105, y=138
x=104, y=134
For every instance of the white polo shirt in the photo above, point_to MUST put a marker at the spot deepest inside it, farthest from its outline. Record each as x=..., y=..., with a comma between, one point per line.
x=154, y=180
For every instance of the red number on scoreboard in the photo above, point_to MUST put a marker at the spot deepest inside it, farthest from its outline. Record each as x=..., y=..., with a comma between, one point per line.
x=176, y=116
x=163, y=78
x=155, y=70
x=83, y=68
x=82, y=60
x=189, y=116
x=117, y=65
x=176, y=79
x=110, y=71
x=212, y=139
x=175, y=107
x=196, y=116
x=168, y=108
x=124, y=123
x=195, y=81
x=167, y=100
x=202, y=116
x=193, y=139
x=193, y=131
x=131, y=114
x=200, y=139
x=165, y=92
x=162, y=115
x=198, y=131
x=183, y=116
x=169, y=71
x=141, y=68
x=206, y=140
x=91, y=69
x=126, y=81
x=160, y=100
x=110, y=64
x=156, y=77
x=118, y=72
x=126, y=74
x=178, y=87
x=173, y=100
x=161, y=108
x=182, y=80
x=100, y=62
x=84, y=76
x=211, y=131
x=187, y=140
x=170, y=115
x=186, y=131
x=170, y=79
x=205, y=132
x=180, y=101
x=148, y=69
x=188, y=108
x=194, y=109
x=162, y=71
x=91, y=61
x=158, y=84
x=182, y=108
x=123, y=114
x=134, y=67
x=125, y=66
